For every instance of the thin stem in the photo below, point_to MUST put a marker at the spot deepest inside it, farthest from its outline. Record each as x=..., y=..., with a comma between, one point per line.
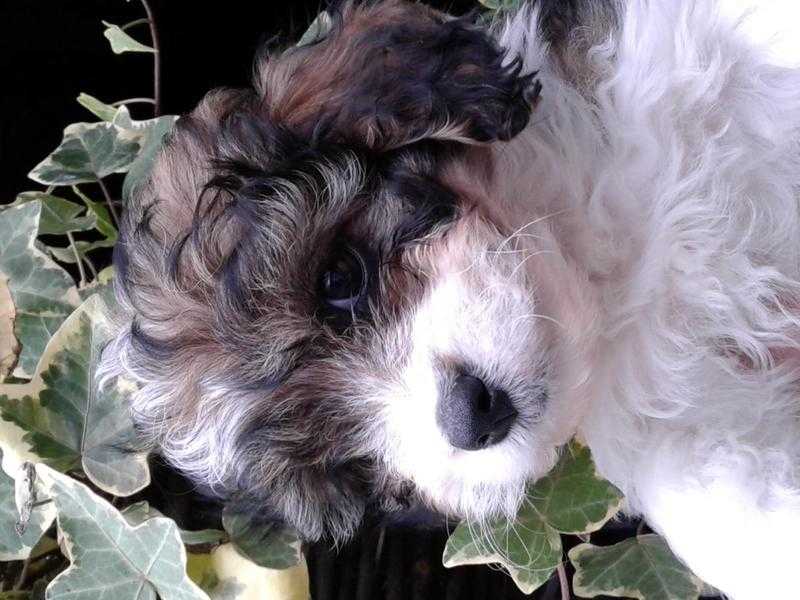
x=133, y=101
x=91, y=266
x=109, y=202
x=156, y=59
x=562, y=581
x=133, y=24
x=23, y=575
x=77, y=258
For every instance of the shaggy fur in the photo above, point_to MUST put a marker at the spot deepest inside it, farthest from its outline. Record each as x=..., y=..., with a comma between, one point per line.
x=626, y=268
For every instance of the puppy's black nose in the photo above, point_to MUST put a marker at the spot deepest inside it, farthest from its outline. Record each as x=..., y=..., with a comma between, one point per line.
x=474, y=416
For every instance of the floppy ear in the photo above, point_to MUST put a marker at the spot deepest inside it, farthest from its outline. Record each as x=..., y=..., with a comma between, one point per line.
x=392, y=73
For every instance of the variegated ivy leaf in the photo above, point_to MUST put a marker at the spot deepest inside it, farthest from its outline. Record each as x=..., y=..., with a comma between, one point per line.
x=121, y=41
x=67, y=254
x=43, y=293
x=227, y=575
x=153, y=139
x=16, y=595
x=88, y=152
x=527, y=548
x=570, y=499
x=139, y=512
x=110, y=558
x=59, y=216
x=102, y=285
x=573, y=498
x=318, y=29
x=9, y=345
x=103, y=221
x=70, y=421
x=100, y=109
x=641, y=567
x=13, y=544
x=268, y=545
x=501, y=5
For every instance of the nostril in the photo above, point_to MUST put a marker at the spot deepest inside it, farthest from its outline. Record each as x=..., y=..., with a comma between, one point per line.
x=502, y=408
x=474, y=416
x=483, y=402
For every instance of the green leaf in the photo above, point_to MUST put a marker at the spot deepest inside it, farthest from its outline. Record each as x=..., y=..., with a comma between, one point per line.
x=139, y=171
x=121, y=41
x=43, y=293
x=641, y=567
x=14, y=546
x=70, y=420
x=9, y=344
x=88, y=152
x=110, y=558
x=59, y=216
x=502, y=5
x=227, y=575
x=103, y=220
x=318, y=29
x=266, y=544
x=67, y=254
x=528, y=548
x=100, y=109
x=103, y=286
x=573, y=498
x=139, y=512
x=15, y=595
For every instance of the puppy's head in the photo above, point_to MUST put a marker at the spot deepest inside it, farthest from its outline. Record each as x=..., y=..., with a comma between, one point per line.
x=330, y=308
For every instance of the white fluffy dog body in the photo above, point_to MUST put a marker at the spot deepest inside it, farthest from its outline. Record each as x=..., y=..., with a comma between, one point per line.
x=671, y=175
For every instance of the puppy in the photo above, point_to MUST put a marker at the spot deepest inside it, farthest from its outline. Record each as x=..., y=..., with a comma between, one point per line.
x=394, y=271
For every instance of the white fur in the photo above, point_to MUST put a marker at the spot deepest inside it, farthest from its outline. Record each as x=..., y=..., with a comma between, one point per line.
x=675, y=175
x=474, y=291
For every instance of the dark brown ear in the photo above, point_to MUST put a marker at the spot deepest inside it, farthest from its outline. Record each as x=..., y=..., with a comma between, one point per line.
x=392, y=73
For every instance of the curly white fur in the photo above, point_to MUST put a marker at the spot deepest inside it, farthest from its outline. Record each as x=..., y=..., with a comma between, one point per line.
x=677, y=169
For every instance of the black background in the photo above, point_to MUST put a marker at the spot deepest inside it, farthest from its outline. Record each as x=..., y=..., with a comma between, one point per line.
x=52, y=50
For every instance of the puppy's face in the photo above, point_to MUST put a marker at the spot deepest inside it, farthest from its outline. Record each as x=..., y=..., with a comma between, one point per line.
x=332, y=309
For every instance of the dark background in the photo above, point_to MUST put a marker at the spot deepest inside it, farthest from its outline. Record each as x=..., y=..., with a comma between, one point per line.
x=50, y=51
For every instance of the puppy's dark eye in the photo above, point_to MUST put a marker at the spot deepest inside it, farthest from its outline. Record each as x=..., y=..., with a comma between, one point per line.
x=344, y=281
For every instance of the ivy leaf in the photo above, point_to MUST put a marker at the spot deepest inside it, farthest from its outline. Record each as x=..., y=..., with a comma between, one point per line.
x=502, y=5
x=13, y=545
x=102, y=285
x=121, y=41
x=88, y=152
x=43, y=293
x=227, y=575
x=59, y=216
x=110, y=558
x=573, y=498
x=641, y=567
x=152, y=142
x=12, y=595
x=9, y=345
x=268, y=545
x=70, y=421
x=139, y=512
x=67, y=254
x=103, y=220
x=528, y=548
x=98, y=108
x=318, y=29
x=570, y=499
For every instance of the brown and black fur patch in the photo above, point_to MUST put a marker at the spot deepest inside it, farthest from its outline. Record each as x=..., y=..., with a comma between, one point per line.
x=247, y=376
